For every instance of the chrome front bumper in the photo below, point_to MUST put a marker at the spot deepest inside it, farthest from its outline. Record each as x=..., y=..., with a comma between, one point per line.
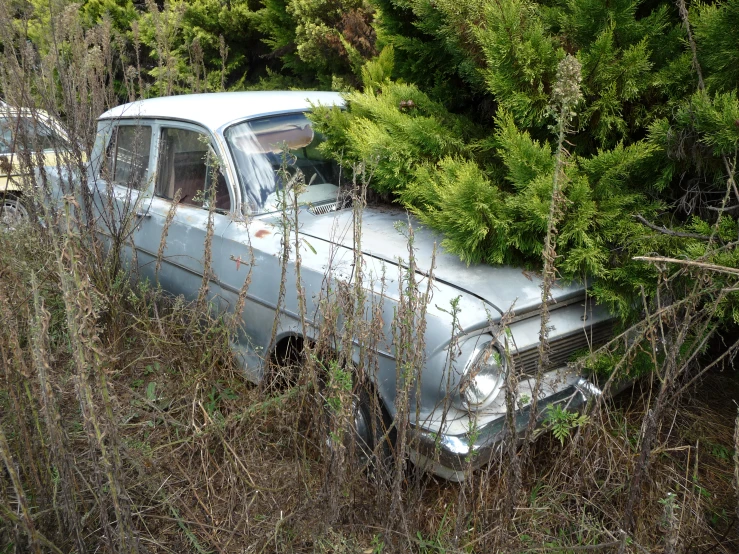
x=453, y=457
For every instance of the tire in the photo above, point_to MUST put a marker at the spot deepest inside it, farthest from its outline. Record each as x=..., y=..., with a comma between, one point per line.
x=12, y=212
x=370, y=437
x=379, y=454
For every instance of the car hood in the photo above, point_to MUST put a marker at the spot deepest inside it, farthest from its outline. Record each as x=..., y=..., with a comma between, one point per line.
x=384, y=236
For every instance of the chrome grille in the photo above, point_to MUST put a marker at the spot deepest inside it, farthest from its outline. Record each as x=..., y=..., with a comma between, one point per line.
x=324, y=208
x=561, y=349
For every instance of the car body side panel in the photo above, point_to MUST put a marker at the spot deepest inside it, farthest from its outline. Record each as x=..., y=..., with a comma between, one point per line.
x=324, y=264
x=10, y=183
x=12, y=172
x=13, y=180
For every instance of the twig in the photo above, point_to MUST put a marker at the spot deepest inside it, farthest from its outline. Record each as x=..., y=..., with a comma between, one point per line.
x=722, y=539
x=703, y=371
x=703, y=265
x=666, y=231
x=269, y=403
x=581, y=548
x=37, y=535
x=185, y=529
x=696, y=65
x=724, y=209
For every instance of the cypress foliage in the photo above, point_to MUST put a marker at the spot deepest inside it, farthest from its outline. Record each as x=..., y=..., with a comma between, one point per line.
x=399, y=127
x=644, y=143
x=717, y=35
x=322, y=43
x=430, y=52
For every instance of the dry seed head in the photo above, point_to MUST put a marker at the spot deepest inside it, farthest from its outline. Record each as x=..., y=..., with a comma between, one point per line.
x=70, y=17
x=566, y=94
x=94, y=58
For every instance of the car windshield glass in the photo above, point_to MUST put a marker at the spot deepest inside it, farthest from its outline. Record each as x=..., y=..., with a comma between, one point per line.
x=257, y=147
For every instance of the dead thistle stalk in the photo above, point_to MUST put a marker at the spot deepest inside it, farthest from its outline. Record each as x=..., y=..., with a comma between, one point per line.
x=86, y=351
x=59, y=449
x=565, y=98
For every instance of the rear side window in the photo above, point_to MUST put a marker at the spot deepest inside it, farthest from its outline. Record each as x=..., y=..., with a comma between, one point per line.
x=32, y=134
x=187, y=163
x=6, y=136
x=127, y=156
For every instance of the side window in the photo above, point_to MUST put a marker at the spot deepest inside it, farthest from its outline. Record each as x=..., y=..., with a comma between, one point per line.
x=187, y=163
x=127, y=156
x=32, y=133
x=40, y=135
x=6, y=136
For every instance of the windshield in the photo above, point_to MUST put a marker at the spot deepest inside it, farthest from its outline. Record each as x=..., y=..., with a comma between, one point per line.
x=257, y=146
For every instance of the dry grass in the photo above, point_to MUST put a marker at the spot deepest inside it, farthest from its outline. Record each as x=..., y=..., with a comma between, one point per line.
x=208, y=462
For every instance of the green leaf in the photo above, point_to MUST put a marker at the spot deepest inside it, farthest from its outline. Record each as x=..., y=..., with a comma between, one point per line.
x=151, y=391
x=310, y=246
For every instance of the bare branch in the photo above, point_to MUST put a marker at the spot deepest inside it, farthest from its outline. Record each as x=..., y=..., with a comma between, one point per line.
x=710, y=267
x=666, y=231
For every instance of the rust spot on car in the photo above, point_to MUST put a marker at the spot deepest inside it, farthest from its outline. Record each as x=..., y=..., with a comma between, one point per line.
x=262, y=233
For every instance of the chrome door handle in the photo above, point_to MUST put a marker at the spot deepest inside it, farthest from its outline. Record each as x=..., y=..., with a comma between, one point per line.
x=142, y=215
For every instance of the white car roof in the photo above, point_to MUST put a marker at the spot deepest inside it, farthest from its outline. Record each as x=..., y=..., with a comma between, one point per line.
x=215, y=109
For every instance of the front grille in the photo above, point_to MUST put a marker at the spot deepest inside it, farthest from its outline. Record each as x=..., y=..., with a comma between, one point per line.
x=324, y=208
x=561, y=349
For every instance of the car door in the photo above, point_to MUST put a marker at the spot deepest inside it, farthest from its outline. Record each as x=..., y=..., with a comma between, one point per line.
x=120, y=178
x=172, y=236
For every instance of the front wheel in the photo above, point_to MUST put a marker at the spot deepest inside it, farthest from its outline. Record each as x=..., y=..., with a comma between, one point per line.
x=368, y=435
x=12, y=212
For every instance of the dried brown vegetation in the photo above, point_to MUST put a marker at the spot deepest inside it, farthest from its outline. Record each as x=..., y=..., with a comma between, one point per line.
x=126, y=425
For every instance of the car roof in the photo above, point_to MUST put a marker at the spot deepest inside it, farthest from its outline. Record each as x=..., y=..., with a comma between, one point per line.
x=216, y=109
x=8, y=110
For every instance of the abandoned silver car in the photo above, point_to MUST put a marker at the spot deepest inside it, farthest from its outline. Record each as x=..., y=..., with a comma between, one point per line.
x=219, y=156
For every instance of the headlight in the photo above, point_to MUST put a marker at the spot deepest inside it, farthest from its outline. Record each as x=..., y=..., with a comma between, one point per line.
x=483, y=377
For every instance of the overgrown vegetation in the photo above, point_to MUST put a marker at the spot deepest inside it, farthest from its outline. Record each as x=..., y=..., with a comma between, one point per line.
x=125, y=422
